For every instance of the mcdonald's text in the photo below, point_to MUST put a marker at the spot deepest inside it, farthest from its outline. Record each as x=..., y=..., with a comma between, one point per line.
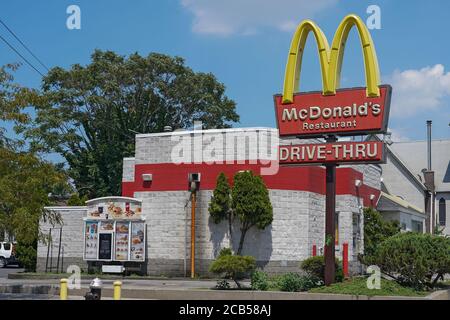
x=348, y=112
x=337, y=152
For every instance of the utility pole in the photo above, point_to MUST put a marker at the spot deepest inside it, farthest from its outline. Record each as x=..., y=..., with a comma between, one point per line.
x=193, y=200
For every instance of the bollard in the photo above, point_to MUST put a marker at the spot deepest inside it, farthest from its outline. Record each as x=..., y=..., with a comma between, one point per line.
x=345, y=259
x=63, y=289
x=117, y=290
x=314, y=250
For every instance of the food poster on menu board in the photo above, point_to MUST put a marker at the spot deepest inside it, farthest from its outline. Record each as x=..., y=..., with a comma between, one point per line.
x=137, y=241
x=91, y=240
x=106, y=226
x=122, y=240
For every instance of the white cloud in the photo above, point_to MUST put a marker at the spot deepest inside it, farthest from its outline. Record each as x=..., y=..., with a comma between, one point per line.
x=398, y=135
x=418, y=91
x=245, y=17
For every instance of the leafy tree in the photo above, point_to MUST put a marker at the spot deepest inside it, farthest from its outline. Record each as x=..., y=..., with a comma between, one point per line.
x=13, y=99
x=250, y=203
x=89, y=114
x=414, y=259
x=376, y=230
x=76, y=200
x=220, y=205
x=25, y=179
x=25, y=184
x=233, y=266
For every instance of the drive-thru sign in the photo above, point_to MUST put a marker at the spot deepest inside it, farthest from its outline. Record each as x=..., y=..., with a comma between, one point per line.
x=331, y=113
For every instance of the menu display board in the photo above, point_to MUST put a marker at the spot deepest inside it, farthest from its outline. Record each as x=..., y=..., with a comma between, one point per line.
x=123, y=210
x=122, y=240
x=137, y=252
x=91, y=240
x=105, y=246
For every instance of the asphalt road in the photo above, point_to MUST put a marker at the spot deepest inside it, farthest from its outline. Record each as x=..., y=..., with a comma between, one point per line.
x=9, y=269
x=20, y=296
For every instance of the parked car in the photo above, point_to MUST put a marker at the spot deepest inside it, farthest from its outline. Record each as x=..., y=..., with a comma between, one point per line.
x=7, y=254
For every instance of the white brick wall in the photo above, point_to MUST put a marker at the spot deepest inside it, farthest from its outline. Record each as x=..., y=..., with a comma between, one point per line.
x=128, y=169
x=71, y=241
x=299, y=222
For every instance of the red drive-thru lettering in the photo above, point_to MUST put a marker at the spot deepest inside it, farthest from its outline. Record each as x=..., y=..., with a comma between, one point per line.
x=348, y=112
x=336, y=152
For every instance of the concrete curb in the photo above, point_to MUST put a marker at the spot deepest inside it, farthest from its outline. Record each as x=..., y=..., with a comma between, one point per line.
x=20, y=276
x=30, y=289
x=190, y=294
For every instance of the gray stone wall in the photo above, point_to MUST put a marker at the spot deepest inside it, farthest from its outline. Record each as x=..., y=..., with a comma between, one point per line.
x=298, y=223
x=205, y=146
x=71, y=239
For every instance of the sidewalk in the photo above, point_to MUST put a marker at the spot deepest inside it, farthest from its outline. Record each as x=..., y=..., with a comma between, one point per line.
x=184, y=290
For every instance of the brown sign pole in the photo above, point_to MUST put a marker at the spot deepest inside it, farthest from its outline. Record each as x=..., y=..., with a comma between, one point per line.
x=330, y=209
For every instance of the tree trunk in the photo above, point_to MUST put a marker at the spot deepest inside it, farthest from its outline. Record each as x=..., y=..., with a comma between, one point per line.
x=230, y=223
x=241, y=240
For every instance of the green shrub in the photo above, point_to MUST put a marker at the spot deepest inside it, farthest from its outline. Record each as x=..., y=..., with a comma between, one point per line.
x=376, y=230
x=233, y=266
x=26, y=254
x=315, y=267
x=293, y=282
x=259, y=280
x=414, y=259
x=225, y=252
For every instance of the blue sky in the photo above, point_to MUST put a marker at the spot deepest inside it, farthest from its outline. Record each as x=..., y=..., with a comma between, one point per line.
x=245, y=44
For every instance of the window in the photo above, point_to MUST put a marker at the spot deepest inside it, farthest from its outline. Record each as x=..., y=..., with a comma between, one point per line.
x=442, y=212
x=416, y=226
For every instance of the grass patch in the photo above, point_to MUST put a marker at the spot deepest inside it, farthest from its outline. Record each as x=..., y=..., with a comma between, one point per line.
x=358, y=286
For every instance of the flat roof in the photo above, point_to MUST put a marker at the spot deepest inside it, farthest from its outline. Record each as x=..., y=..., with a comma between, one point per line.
x=185, y=132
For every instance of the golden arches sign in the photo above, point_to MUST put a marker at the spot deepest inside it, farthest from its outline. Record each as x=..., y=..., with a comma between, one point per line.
x=330, y=60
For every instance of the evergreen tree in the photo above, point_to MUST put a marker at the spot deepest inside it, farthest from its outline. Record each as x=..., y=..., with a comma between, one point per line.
x=250, y=203
x=220, y=205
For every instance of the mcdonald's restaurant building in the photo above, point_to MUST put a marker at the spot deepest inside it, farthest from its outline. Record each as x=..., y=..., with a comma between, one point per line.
x=147, y=228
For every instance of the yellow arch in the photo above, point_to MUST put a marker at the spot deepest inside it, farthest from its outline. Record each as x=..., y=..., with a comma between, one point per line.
x=294, y=63
x=330, y=60
x=370, y=57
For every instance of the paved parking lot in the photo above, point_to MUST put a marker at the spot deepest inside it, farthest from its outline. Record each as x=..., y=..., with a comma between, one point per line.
x=10, y=269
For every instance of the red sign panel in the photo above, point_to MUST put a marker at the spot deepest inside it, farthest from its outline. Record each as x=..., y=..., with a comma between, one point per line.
x=334, y=152
x=348, y=112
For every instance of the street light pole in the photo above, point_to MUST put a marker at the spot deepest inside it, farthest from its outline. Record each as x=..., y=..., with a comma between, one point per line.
x=193, y=200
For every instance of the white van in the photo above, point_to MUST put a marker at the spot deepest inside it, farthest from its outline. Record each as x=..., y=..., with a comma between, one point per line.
x=7, y=254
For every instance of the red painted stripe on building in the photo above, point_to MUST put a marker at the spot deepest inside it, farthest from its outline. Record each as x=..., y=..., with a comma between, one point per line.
x=172, y=177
